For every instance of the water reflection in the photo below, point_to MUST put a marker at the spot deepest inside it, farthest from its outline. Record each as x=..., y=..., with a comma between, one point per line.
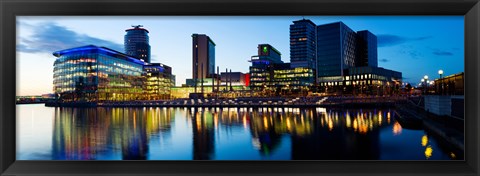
x=248, y=133
x=84, y=134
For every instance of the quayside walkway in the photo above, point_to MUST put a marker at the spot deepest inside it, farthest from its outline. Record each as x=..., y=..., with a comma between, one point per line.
x=300, y=102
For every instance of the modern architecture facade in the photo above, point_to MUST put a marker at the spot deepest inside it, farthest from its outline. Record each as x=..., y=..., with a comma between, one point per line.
x=302, y=44
x=136, y=43
x=370, y=80
x=329, y=57
x=92, y=74
x=203, y=55
x=158, y=81
x=97, y=74
x=347, y=61
x=336, y=50
x=268, y=72
x=234, y=79
x=261, y=71
x=366, y=49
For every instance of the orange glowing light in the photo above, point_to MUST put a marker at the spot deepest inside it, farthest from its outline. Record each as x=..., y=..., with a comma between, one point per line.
x=397, y=129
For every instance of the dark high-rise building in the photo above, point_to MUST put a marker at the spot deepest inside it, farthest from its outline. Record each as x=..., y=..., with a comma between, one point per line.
x=137, y=43
x=302, y=44
x=336, y=50
x=367, y=49
x=203, y=54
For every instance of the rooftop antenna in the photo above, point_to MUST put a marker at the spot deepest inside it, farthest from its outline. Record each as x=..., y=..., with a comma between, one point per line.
x=137, y=26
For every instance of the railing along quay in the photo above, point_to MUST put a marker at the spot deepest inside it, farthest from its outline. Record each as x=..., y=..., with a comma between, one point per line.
x=300, y=102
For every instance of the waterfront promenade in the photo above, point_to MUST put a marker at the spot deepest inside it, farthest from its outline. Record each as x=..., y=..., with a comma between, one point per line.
x=298, y=102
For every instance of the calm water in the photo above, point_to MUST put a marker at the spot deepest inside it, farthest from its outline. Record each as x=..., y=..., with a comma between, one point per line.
x=45, y=133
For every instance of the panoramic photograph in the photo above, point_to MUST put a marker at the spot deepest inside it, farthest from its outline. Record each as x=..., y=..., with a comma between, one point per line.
x=240, y=88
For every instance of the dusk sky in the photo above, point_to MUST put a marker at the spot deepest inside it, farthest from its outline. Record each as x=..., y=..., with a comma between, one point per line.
x=413, y=45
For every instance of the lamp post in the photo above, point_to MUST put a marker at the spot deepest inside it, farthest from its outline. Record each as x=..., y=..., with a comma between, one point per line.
x=422, y=83
x=440, y=72
x=426, y=83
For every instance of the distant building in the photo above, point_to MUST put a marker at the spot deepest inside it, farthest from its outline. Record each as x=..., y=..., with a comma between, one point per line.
x=302, y=44
x=451, y=84
x=235, y=78
x=203, y=54
x=370, y=80
x=262, y=64
x=136, y=43
x=269, y=72
x=286, y=77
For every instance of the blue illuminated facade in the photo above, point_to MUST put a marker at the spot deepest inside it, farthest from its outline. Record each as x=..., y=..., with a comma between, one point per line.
x=98, y=74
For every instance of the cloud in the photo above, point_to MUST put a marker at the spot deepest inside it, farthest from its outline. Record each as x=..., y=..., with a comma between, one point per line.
x=384, y=60
x=385, y=40
x=442, y=53
x=410, y=51
x=50, y=37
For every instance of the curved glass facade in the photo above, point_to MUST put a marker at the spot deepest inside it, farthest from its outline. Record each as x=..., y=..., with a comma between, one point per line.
x=92, y=74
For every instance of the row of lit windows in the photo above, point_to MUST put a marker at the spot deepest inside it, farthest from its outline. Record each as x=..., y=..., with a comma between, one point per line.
x=365, y=76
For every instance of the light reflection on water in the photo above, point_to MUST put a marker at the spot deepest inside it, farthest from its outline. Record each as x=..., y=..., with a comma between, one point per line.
x=219, y=134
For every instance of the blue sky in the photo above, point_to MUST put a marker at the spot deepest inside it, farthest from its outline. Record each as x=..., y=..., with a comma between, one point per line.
x=413, y=45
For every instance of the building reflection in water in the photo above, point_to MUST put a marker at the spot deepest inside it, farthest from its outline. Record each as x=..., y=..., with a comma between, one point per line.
x=97, y=133
x=203, y=134
x=319, y=133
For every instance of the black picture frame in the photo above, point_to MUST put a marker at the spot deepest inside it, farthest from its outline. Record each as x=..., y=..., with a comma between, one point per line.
x=9, y=9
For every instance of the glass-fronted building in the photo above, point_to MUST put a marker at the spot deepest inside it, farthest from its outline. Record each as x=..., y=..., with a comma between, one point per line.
x=261, y=71
x=366, y=49
x=136, y=43
x=285, y=77
x=302, y=44
x=336, y=49
x=158, y=81
x=99, y=74
x=92, y=74
x=365, y=80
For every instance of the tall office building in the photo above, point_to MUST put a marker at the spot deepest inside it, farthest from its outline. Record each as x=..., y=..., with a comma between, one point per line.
x=367, y=49
x=302, y=44
x=336, y=50
x=203, y=54
x=136, y=43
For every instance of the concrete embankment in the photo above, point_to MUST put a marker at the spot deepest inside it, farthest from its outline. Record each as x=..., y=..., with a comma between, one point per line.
x=446, y=128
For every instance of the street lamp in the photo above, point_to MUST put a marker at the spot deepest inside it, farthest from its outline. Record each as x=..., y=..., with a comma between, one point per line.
x=426, y=83
x=440, y=72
